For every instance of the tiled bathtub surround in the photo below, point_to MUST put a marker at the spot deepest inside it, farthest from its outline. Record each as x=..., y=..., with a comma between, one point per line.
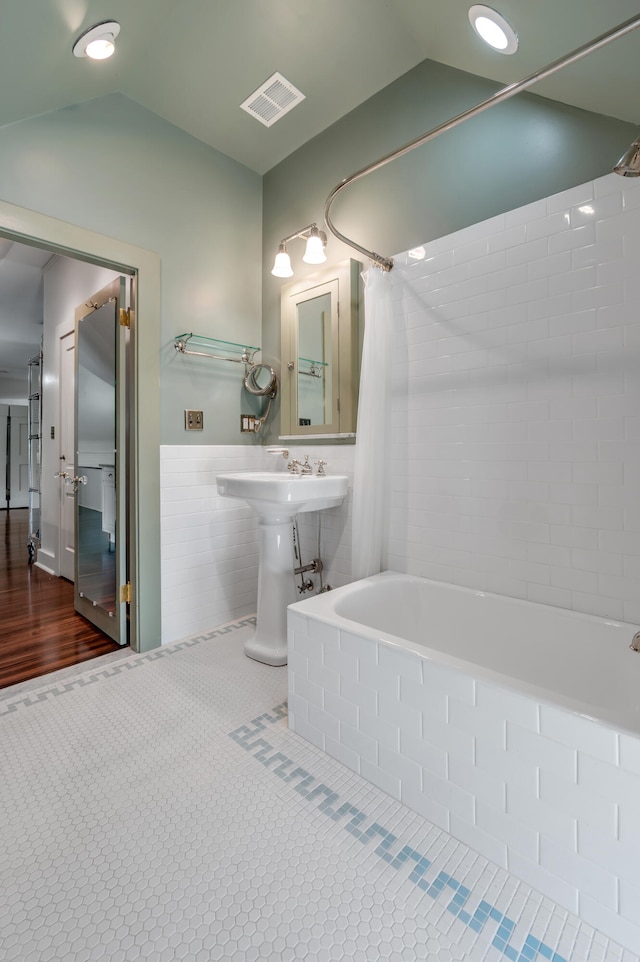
x=516, y=412
x=515, y=468
x=209, y=544
x=545, y=793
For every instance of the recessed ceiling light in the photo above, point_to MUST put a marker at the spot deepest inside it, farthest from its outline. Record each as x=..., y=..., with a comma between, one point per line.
x=493, y=28
x=98, y=41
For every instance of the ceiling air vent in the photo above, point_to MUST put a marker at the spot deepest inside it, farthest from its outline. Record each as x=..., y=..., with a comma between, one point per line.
x=272, y=100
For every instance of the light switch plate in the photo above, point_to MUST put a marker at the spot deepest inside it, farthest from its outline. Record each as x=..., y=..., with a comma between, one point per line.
x=193, y=421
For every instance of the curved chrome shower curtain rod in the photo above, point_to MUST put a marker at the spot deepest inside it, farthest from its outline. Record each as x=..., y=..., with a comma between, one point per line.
x=386, y=263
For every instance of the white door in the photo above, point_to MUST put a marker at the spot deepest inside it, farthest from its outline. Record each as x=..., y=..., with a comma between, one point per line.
x=19, y=474
x=67, y=546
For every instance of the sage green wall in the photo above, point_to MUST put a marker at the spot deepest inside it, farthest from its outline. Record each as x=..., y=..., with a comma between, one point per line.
x=511, y=155
x=114, y=167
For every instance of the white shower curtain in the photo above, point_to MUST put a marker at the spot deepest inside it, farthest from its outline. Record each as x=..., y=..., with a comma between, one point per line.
x=372, y=437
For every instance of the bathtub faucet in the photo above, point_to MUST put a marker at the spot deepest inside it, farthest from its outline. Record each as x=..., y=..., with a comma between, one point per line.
x=635, y=642
x=316, y=566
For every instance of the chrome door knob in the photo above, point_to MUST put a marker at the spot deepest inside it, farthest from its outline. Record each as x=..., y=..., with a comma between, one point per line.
x=78, y=479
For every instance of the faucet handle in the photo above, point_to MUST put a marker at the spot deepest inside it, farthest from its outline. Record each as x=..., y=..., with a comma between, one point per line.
x=321, y=465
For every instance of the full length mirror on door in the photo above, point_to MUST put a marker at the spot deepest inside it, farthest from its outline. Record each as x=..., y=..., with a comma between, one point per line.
x=96, y=457
x=99, y=484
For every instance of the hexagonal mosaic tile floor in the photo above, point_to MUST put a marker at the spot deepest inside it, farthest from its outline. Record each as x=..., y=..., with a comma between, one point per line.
x=157, y=807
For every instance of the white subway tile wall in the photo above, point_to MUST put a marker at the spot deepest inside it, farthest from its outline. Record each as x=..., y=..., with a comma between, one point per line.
x=516, y=404
x=548, y=795
x=332, y=526
x=209, y=544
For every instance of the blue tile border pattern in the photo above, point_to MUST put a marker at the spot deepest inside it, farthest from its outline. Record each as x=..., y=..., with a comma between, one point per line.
x=329, y=803
x=61, y=687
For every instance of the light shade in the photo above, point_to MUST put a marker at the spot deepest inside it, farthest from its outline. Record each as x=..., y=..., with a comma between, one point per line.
x=282, y=265
x=98, y=41
x=314, y=253
x=492, y=27
x=629, y=163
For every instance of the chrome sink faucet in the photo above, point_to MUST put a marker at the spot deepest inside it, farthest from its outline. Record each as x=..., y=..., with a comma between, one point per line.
x=298, y=467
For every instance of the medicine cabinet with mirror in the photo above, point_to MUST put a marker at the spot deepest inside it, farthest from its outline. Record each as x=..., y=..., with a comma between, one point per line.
x=320, y=327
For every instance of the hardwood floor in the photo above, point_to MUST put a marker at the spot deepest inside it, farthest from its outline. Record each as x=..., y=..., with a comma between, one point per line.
x=39, y=629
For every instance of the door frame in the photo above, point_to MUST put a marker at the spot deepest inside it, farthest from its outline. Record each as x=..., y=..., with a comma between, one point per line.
x=30, y=227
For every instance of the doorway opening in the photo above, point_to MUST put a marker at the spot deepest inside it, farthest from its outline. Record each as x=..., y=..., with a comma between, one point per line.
x=72, y=247
x=58, y=577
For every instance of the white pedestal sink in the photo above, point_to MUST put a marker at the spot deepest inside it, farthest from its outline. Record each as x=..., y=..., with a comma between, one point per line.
x=276, y=499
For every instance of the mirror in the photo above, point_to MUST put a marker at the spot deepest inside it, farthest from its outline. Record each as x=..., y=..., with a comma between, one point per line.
x=98, y=488
x=95, y=457
x=313, y=321
x=261, y=380
x=320, y=350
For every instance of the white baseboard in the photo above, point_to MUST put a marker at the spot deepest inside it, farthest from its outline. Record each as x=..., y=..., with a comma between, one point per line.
x=41, y=562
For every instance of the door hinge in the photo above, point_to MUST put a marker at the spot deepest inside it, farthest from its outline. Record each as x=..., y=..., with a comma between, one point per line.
x=125, y=317
x=338, y=404
x=125, y=593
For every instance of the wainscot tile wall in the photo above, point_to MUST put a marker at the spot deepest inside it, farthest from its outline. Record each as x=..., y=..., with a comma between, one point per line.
x=516, y=411
x=332, y=527
x=547, y=794
x=209, y=544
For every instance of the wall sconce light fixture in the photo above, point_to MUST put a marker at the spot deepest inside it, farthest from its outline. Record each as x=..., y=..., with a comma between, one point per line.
x=629, y=163
x=314, y=253
x=98, y=41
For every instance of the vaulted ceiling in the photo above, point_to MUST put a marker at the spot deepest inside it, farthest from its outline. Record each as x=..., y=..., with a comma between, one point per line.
x=193, y=62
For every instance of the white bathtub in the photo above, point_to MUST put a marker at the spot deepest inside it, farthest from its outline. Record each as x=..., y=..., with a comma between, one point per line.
x=513, y=726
